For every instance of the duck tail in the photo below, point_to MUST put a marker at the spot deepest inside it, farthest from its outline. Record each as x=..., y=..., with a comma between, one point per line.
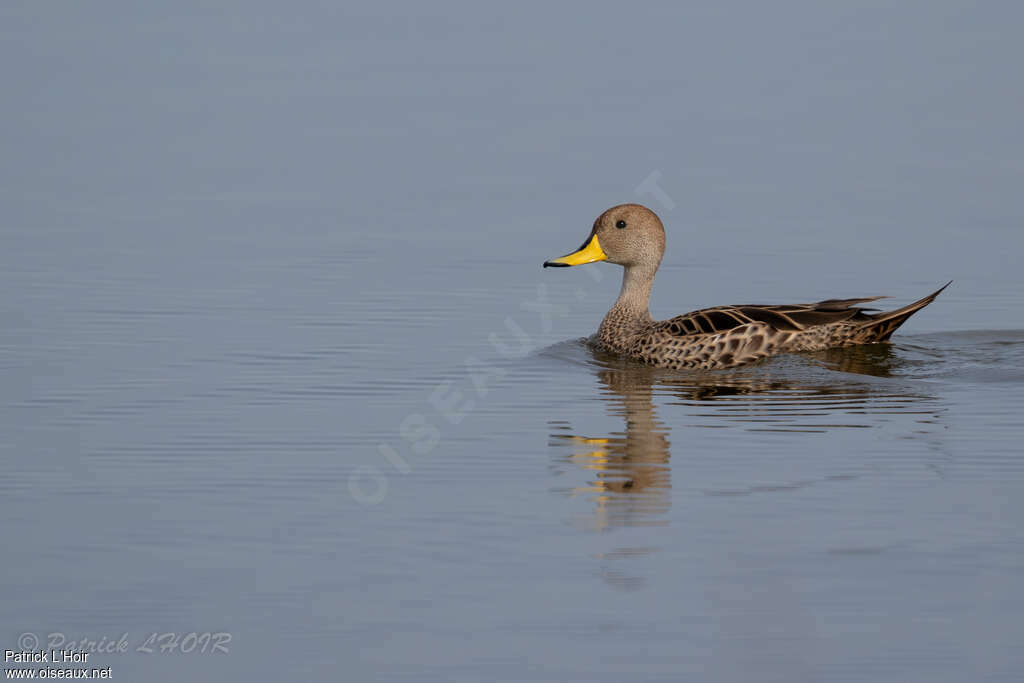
x=881, y=325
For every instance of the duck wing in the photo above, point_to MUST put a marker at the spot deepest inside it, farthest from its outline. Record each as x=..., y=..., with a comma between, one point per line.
x=791, y=317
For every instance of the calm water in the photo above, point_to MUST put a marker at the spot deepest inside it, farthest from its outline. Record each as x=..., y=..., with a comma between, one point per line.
x=278, y=358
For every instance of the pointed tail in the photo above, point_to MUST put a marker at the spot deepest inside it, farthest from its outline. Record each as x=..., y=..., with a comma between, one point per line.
x=882, y=325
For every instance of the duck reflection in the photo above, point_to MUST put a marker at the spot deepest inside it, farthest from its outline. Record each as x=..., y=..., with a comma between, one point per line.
x=629, y=476
x=630, y=472
x=876, y=360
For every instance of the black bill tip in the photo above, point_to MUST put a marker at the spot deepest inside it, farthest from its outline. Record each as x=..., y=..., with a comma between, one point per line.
x=553, y=264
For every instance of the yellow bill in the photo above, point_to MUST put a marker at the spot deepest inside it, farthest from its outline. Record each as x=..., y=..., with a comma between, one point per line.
x=590, y=252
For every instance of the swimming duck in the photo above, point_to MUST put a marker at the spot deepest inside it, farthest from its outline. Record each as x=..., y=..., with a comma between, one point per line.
x=632, y=236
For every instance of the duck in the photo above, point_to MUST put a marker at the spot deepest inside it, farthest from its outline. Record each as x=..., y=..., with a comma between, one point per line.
x=632, y=236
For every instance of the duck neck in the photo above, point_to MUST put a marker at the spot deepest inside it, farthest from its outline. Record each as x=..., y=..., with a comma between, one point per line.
x=632, y=308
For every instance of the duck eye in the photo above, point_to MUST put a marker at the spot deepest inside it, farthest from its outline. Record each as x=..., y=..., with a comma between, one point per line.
x=620, y=225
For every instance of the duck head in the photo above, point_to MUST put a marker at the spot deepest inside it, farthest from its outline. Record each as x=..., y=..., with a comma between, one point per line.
x=630, y=235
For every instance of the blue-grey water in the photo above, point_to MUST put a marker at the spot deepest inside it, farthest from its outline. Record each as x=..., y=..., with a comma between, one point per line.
x=278, y=359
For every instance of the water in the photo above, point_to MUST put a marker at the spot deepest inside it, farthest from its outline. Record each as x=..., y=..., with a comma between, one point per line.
x=279, y=360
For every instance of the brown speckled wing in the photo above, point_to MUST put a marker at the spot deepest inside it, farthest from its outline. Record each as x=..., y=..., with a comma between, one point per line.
x=794, y=317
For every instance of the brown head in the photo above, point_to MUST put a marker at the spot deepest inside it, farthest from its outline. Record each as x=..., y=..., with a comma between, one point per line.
x=628, y=234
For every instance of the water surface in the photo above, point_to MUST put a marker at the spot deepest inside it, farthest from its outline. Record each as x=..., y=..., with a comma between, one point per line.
x=278, y=358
